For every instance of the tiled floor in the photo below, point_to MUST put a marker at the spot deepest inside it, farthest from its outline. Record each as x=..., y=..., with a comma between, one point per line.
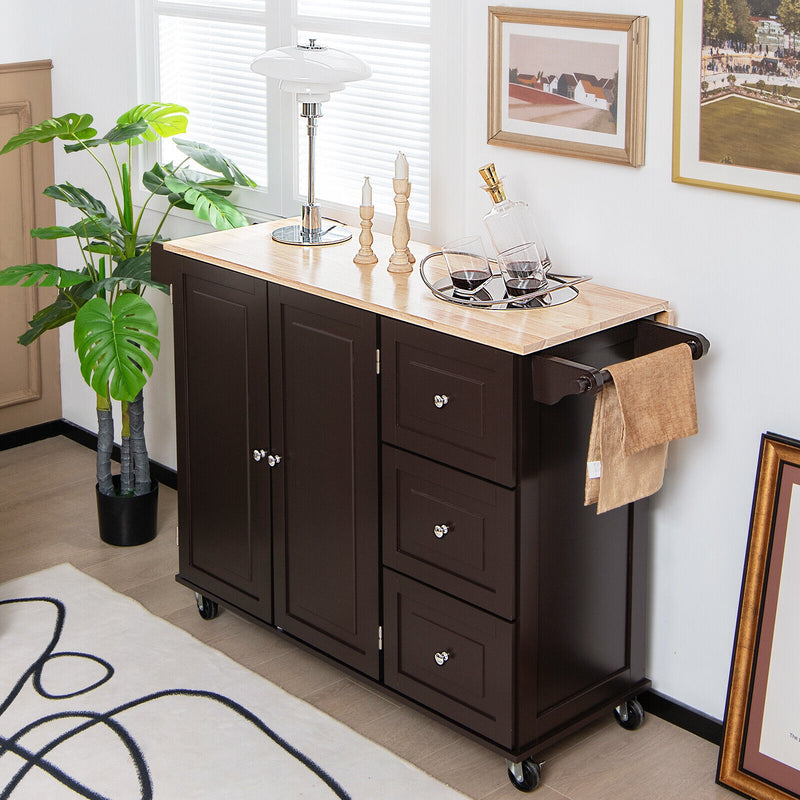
x=47, y=516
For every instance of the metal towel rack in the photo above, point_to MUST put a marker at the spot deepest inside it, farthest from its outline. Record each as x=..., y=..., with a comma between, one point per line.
x=554, y=378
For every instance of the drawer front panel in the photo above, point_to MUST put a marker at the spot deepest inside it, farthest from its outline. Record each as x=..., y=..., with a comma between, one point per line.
x=450, y=530
x=471, y=681
x=449, y=399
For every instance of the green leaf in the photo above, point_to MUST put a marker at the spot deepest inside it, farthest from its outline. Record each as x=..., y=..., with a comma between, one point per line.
x=58, y=313
x=52, y=232
x=117, y=135
x=113, y=344
x=84, y=228
x=77, y=198
x=40, y=275
x=69, y=127
x=153, y=179
x=210, y=158
x=221, y=213
x=162, y=119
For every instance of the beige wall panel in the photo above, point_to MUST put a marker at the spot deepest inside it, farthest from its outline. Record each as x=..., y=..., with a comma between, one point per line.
x=30, y=390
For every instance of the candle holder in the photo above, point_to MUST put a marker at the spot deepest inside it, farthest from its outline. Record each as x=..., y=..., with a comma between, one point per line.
x=401, y=233
x=410, y=255
x=365, y=255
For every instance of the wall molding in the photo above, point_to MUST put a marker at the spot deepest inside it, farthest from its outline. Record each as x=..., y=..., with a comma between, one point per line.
x=61, y=427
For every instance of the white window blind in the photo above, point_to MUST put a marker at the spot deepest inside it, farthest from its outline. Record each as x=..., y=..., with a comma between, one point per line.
x=206, y=67
x=201, y=52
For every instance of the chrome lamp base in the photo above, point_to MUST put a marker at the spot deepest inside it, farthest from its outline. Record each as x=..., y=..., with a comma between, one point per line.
x=297, y=234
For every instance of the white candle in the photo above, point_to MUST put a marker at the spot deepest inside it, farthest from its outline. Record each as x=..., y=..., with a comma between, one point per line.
x=366, y=193
x=401, y=167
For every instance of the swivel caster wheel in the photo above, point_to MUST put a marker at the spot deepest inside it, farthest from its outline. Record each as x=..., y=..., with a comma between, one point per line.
x=524, y=775
x=207, y=609
x=630, y=714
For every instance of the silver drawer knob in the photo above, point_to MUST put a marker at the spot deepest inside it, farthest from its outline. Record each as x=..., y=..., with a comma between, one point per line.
x=441, y=658
x=273, y=460
x=440, y=400
x=441, y=530
x=259, y=454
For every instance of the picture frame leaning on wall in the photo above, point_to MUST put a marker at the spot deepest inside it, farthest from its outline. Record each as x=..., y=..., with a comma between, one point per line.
x=736, y=105
x=569, y=83
x=760, y=753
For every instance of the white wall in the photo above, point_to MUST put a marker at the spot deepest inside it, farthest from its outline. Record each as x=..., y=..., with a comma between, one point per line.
x=726, y=262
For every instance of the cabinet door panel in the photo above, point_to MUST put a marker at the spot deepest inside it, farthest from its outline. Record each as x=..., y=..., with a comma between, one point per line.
x=325, y=507
x=222, y=389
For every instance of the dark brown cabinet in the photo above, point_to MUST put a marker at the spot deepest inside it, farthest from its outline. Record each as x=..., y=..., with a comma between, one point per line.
x=324, y=413
x=397, y=499
x=222, y=395
x=278, y=457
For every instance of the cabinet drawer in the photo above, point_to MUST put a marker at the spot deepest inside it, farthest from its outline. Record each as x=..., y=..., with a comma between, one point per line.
x=450, y=530
x=449, y=399
x=449, y=656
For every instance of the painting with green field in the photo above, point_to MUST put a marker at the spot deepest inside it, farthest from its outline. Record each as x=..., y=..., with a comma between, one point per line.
x=737, y=96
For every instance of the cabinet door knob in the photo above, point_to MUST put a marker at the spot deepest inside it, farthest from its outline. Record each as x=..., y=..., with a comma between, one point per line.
x=441, y=530
x=440, y=400
x=273, y=460
x=441, y=658
x=259, y=454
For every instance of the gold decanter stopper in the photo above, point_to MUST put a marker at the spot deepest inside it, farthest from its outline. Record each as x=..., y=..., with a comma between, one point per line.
x=493, y=184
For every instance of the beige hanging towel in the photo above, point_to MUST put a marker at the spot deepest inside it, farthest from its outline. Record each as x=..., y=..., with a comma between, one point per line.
x=650, y=403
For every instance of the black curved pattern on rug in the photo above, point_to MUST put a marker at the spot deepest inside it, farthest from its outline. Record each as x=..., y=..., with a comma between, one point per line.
x=37, y=760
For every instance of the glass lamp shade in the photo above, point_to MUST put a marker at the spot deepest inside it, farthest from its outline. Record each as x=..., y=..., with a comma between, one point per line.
x=311, y=72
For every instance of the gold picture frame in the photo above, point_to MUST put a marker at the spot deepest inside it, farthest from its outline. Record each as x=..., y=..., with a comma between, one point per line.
x=760, y=753
x=569, y=83
x=727, y=133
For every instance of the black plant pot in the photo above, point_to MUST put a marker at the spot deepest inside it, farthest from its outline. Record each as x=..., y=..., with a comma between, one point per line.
x=127, y=521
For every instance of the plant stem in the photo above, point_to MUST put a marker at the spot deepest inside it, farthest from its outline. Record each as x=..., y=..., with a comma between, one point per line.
x=105, y=444
x=141, y=460
x=126, y=466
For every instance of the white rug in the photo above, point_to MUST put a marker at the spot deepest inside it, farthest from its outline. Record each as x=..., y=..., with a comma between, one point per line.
x=101, y=699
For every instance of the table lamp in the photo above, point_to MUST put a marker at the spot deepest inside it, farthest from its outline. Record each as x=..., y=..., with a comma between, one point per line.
x=311, y=72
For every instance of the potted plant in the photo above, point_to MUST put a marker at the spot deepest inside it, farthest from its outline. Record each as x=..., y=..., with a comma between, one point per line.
x=116, y=329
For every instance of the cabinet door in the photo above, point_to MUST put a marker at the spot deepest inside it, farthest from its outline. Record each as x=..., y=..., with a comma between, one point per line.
x=325, y=489
x=222, y=394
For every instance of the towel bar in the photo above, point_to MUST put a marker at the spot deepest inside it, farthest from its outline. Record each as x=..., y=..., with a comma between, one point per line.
x=554, y=378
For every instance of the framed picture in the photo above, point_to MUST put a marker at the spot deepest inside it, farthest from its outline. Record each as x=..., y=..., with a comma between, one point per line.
x=736, y=102
x=760, y=754
x=570, y=83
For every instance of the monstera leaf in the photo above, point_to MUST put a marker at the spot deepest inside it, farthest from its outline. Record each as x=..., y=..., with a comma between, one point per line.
x=70, y=127
x=162, y=119
x=210, y=158
x=41, y=275
x=113, y=343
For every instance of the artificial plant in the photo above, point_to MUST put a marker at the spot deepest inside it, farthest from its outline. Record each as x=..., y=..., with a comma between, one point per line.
x=116, y=329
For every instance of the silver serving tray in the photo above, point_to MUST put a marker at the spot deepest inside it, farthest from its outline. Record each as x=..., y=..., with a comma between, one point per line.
x=556, y=290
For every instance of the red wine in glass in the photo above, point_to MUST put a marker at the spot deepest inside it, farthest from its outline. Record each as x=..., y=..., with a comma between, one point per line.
x=468, y=280
x=521, y=278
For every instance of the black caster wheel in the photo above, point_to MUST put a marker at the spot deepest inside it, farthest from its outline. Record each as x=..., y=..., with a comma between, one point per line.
x=207, y=609
x=630, y=715
x=525, y=775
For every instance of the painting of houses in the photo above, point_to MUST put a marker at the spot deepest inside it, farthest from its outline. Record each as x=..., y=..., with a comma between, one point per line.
x=561, y=82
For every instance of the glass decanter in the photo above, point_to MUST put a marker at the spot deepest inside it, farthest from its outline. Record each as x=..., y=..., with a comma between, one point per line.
x=509, y=222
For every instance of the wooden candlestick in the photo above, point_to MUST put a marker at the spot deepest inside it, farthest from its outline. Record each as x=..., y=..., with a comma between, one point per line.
x=401, y=233
x=365, y=238
x=410, y=255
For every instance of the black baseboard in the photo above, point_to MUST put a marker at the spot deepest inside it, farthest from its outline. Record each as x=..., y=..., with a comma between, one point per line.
x=682, y=716
x=61, y=427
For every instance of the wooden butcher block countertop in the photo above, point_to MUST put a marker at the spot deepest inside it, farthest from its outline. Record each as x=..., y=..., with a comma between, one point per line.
x=329, y=271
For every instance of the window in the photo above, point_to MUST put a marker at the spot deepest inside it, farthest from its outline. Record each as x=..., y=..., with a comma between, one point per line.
x=198, y=53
